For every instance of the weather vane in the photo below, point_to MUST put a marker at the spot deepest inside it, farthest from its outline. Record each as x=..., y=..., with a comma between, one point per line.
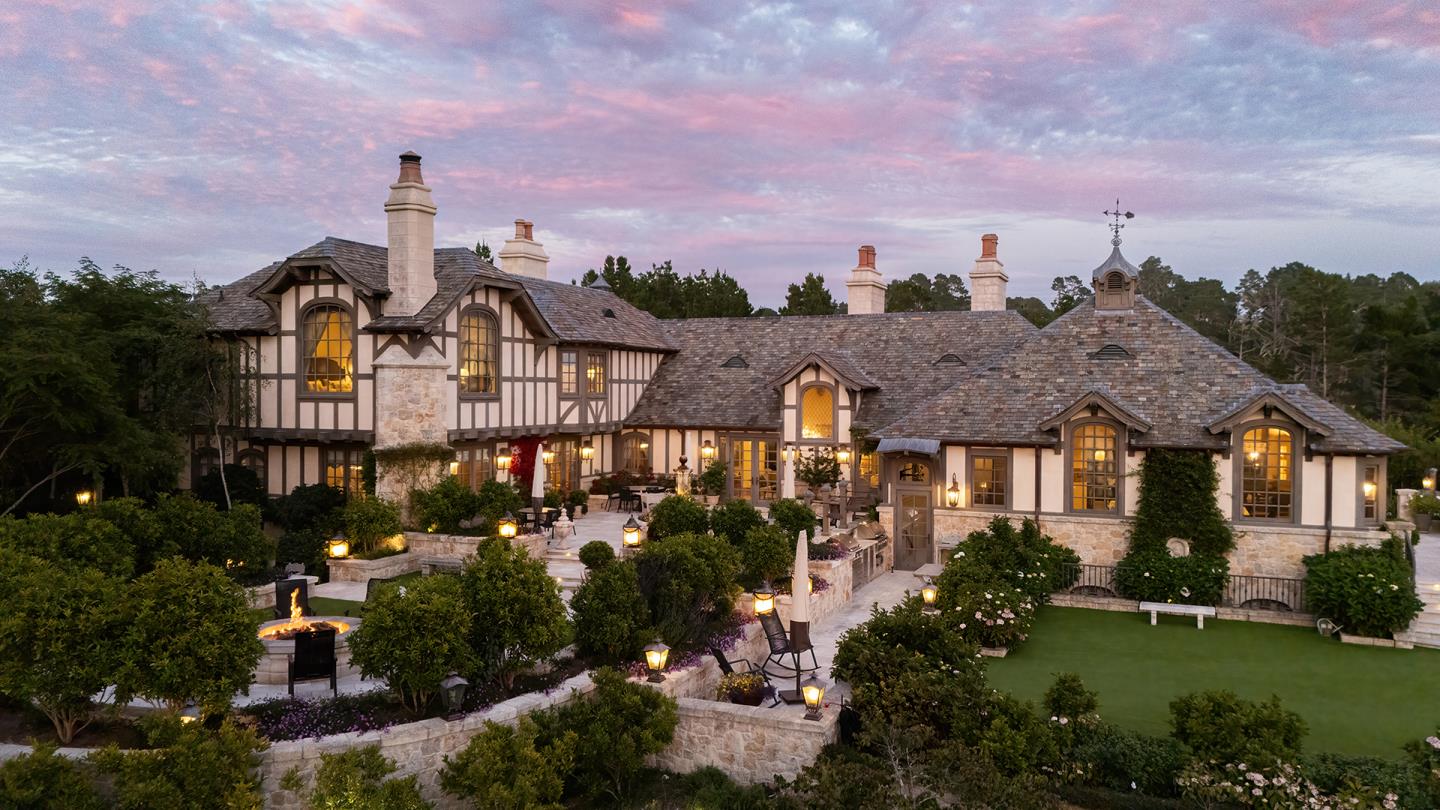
x=1117, y=224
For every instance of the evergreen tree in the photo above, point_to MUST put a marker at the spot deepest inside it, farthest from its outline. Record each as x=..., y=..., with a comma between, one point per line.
x=809, y=297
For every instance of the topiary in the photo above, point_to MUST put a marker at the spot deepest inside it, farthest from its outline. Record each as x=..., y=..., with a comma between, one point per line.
x=765, y=554
x=689, y=586
x=611, y=617
x=793, y=517
x=504, y=768
x=44, y=780
x=677, y=514
x=1219, y=726
x=444, y=506
x=355, y=779
x=1366, y=590
x=596, y=554
x=414, y=637
x=734, y=519
x=521, y=616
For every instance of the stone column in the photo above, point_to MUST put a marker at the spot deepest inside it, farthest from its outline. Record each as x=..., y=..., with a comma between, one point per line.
x=411, y=401
x=1402, y=504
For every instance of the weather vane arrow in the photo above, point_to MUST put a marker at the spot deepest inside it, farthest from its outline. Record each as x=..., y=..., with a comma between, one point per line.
x=1117, y=225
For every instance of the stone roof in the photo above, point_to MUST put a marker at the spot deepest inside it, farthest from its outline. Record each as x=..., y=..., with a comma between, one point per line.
x=233, y=307
x=895, y=352
x=1175, y=379
x=578, y=315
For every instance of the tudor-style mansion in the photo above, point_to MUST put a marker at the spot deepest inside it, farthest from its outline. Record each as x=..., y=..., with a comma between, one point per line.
x=950, y=417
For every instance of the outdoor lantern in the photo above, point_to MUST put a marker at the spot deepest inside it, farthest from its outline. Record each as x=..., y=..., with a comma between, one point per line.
x=83, y=497
x=339, y=547
x=453, y=691
x=454, y=468
x=1429, y=482
x=707, y=450
x=190, y=713
x=929, y=594
x=1368, y=488
x=548, y=456
x=764, y=598
x=502, y=461
x=587, y=451
x=508, y=527
x=655, y=656
x=842, y=454
x=813, y=690
x=632, y=534
x=952, y=493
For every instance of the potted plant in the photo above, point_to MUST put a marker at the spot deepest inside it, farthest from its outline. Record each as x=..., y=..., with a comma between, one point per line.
x=1424, y=507
x=579, y=503
x=712, y=482
x=744, y=688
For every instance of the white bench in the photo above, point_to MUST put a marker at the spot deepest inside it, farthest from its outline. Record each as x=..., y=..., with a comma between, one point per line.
x=1198, y=611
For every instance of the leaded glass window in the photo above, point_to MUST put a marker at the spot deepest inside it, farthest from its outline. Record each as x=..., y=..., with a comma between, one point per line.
x=1267, y=477
x=1094, y=469
x=329, y=350
x=817, y=413
x=479, y=353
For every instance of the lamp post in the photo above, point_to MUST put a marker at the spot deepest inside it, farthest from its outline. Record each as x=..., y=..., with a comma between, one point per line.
x=764, y=598
x=952, y=493
x=453, y=689
x=682, y=478
x=655, y=656
x=508, y=526
x=813, y=690
x=928, y=595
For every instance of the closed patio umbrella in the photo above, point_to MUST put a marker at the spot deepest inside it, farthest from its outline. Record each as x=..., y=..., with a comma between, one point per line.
x=537, y=482
x=800, y=602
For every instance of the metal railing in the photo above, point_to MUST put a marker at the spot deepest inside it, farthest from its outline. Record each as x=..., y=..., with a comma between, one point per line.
x=1089, y=580
x=1241, y=591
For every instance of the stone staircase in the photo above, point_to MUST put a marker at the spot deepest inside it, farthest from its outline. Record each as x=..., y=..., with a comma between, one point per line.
x=564, y=565
x=1425, y=630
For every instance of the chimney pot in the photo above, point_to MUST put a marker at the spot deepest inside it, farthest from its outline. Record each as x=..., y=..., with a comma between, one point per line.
x=867, y=255
x=987, y=245
x=410, y=169
x=519, y=229
x=529, y=230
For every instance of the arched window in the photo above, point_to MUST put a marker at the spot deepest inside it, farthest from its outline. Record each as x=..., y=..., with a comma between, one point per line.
x=479, y=353
x=635, y=453
x=329, y=358
x=1094, y=469
x=817, y=413
x=1267, y=474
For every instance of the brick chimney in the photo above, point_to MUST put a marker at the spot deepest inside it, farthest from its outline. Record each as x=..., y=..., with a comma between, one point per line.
x=988, y=279
x=410, y=237
x=523, y=256
x=865, y=289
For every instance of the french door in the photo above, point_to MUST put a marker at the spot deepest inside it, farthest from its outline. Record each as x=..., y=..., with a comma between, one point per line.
x=914, y=538
x=754, y=469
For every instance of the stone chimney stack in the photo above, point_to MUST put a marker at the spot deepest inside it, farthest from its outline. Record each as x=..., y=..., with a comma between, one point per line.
x=988, y=279
x=865, y=289
x=523, y=256
x=410, y=229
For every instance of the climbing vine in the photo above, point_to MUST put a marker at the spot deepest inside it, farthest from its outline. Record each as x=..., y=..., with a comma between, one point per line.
x=1177, y=499
x=414, y=465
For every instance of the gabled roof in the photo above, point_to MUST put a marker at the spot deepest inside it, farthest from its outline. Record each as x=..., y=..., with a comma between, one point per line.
x=1268, y=397
x=577, y=315
x=893, y=352
x=1097, y=399
x=840, y=365
x=1177, y=381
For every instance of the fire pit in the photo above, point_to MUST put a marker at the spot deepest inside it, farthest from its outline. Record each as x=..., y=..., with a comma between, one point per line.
x=278, y=636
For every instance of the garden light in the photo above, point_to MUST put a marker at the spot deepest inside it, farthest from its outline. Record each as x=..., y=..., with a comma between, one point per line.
x=707, y=450
x=339, y=547
x=83, y=497
x=508, y=527
x=632, y=534
x=453, y=691
x=929, y=594
x=656, y=655
x=813, y=690
x=764, y=598
x=952, y=493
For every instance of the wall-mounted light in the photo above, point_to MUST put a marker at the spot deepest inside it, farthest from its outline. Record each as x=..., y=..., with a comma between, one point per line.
x=587, y=451
x=707, y=450
x=952, y=493
x=548, y=456
x=502, y=461
x=842, y=454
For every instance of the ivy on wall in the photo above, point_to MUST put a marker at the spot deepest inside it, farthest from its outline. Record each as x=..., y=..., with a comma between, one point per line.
x=1177, y=499
x=414, y=465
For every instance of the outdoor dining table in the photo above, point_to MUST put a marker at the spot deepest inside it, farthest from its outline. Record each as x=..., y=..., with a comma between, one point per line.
x=649, y=496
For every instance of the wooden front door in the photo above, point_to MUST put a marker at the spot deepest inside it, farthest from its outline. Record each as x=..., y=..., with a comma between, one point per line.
x=914, y=538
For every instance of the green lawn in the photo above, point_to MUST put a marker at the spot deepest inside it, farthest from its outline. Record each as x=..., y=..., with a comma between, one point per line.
x=1356, y=700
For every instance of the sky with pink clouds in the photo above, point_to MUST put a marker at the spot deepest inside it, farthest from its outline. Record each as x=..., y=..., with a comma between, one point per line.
x=768, y=140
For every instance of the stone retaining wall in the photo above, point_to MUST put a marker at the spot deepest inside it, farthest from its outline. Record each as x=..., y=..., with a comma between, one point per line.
x=461, y=546
x=750, y=743
x=353, y=569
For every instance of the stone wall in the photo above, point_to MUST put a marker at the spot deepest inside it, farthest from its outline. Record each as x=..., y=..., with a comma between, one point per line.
x=1098, y=541
x=416, y=396
x=461, y=546
x=750, y=743
x=354, y=569
x=1276, y=551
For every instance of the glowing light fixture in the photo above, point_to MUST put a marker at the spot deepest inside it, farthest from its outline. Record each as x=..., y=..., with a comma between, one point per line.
x=339, y=547
x=632, y=535
x=707, y=450
x=454, y=468
x=842, y=454
x=1369, y=489
x=84, y=496
x=656, y=654
x=548, y=456
x=509, y=527
x=813, y=690
x=502, y=461
x=952, y=493
x=587, y=451
x=929, y=594
x=764, y=598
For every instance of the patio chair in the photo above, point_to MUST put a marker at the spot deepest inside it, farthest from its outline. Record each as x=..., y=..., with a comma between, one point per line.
x=630, y=500
x=283, y=589
x=727, y=667
x=614, y=498
x=780, y=647
x=313, y=659
x=547, y=521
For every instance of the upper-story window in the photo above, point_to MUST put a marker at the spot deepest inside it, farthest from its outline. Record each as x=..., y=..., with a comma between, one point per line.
x=595, y=373
x=329, y=346
x=1267, y=474
x=1094, y=469
x=569, y=372
x=817, y=413
x=479, y=353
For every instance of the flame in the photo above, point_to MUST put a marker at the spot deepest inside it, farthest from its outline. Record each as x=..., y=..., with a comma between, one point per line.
x=297, y=622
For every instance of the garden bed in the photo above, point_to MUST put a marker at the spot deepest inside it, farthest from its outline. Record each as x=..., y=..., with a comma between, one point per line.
x=354, y=569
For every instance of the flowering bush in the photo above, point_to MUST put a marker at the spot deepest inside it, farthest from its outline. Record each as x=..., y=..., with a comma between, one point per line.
x=1282, y=785
x=827, y=551
x=1426, y=754
x=1025, y=559
x=1367, y=591
x=1155, y=576
x=991, y=614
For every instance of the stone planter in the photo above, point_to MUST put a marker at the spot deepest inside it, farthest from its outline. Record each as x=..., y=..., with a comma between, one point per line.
x=1423, y=522
x=353, y=569
x=1368, y=641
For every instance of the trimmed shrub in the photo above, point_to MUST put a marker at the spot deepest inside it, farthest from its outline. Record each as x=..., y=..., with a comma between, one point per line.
x=1177, y=500
x=137, y=522
x=415, y=638
x=990, y=614
x=766, y=554
x=495, y=499
x=368, y=521
x=615, y=730
x=1367, y=591
x=1158, y=577
x=677, y=514
x=734, y=519
x=596, y=554
x=310, y=515
x=76, y=540
x=444, y=506
x=190, y=636
x=44, y=780
x=187, y=766
x=712, y=480
x=520, y=618
x=355, y=779
x=1117, y=758
x=242, y=482
x=1331, y=773
x=611, y=617
x=1068, y=697
x=234, y=541
x=793, y=517
x=1219, y=726
x=59, y=638
x=503, y=768
x=689, y=586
